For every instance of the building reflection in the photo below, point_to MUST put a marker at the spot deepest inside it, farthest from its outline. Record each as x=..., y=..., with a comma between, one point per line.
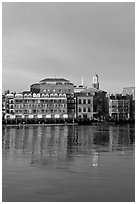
x=42, y=145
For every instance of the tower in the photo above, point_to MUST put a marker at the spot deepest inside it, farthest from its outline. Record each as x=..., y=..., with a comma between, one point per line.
x=95, y=82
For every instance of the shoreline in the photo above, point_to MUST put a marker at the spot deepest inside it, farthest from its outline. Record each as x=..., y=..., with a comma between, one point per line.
x=70, y=124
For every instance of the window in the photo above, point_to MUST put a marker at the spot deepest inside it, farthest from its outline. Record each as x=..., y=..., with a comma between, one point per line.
x=79, y=110
x=84, y=109
x=85, y=116
x=25, y=111
x=89, y=101
x=84, y=101
x=11, y=106
x=79, y=101
x=89, y=110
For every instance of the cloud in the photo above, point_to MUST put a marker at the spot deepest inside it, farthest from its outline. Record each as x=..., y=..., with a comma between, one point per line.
x=70, y=40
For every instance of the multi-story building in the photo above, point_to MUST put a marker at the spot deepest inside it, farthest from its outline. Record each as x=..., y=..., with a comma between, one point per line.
x=53, y=85
x=119, y=107
x=9, y=103
x=84, y=105
x=129, y=92
x=35, y=88
x=80, y=88
x=37, y=106
x=3, y=106
x=71, y=106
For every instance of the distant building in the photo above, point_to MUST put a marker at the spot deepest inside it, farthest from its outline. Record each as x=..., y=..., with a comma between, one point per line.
x=129, y=91
x=35, y=88
x=53, y=85
x=80, y=88
x=119, y=107
x=36, y=106
x=3, y=106
x=84, y=105
x=71, y=106
x=9, y=104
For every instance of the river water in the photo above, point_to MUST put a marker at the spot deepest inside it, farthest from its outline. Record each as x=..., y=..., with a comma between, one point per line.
x=68, y=163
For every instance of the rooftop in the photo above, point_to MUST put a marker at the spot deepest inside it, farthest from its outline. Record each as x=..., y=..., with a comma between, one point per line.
x=54, y=80
x=92, y=89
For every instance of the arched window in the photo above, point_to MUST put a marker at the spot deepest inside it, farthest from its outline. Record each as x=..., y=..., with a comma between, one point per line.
x=47, y=95
x=34, y=95
x=79, y=109
x=51, y=95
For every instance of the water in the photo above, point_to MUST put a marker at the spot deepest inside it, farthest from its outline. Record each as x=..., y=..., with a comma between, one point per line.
x=68, y=163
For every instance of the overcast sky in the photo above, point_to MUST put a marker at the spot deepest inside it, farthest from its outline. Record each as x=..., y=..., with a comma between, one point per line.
x=68, y=40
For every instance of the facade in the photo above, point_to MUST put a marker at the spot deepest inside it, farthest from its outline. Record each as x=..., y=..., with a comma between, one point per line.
x=80, y=88
x=3, y=106
x=119, y=107
x=129, y=91
x=84, y=105
x=9, y=104
x=35, y=88
x=57, y=98
x=53, y=85
x=36, y=106
x=71, y=106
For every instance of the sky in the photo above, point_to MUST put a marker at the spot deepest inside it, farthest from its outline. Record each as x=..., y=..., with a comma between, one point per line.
x=69, y=40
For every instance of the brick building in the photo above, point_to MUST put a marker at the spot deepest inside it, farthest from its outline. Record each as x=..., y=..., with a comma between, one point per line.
x=119, y=107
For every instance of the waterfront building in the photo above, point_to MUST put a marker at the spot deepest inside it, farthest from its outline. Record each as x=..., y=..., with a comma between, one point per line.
x=129, y=91
x=119, y=107
x=3, y=106
x=37, y=106
x=71, y=106
x=84, y=105
x=100, y=105
x=9, y=104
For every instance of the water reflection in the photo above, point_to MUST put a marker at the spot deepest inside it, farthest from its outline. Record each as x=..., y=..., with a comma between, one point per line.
x=48, y=144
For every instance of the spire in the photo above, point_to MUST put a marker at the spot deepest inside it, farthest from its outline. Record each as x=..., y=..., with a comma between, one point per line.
x=82, y=81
